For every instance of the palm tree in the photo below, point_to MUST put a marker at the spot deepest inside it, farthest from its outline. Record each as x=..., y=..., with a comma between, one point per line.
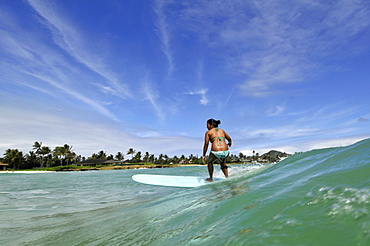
x=146, y=157
x=175, y=159
x=241, y=156
x=137, y=157
x=68, y=153
x=160, y=159
x=57, y=152
x=152, y=158
x=102, y=155
x=37, y=146
x=49, y=159
x=78, y=158
x=64, y=151
x=120, y=156
x=131, y=152
x=14, y=156
x=31, y=159
x=44, y=151
x=70, y=156
x=94, y=156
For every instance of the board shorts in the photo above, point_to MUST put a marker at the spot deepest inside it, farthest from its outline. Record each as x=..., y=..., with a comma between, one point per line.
x=218, y=155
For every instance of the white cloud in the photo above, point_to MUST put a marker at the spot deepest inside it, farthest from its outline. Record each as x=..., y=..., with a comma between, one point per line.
x=43, y=68
x=300, y=145
x=148, y=134
x=281, y=132
x=278, y=42
x=71, y=40
x=11, y=44
x=330, y=113
x=276, y=111
x=202, y=92
x=164, y=34
x=20, y=128
x=151, y=95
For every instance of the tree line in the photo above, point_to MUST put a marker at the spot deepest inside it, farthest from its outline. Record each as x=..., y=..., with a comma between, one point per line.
x=43, y=156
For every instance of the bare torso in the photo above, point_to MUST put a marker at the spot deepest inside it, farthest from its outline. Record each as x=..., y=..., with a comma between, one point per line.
x=217, y=137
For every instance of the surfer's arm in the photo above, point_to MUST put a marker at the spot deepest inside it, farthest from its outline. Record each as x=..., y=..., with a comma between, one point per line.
x=205, y=146
x=228, y=139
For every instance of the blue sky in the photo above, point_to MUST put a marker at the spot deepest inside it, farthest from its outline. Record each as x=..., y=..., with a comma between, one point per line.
x=113, y=75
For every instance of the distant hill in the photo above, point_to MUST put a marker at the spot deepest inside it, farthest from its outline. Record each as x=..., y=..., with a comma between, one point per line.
x=274, y=155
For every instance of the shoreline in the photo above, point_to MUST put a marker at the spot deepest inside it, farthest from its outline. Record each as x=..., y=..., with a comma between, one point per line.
x=132, y=166
x=104, y=168
x=27, y=171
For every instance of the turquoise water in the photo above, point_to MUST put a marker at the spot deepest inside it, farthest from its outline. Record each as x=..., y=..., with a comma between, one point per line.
x=320, y=197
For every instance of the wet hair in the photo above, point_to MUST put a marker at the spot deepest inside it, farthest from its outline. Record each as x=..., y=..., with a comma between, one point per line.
x=213, y=122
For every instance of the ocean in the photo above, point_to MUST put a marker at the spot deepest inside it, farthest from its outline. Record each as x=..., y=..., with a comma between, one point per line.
x=319, y=197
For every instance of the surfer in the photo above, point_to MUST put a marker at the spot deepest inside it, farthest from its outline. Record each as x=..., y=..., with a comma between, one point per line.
x=219, y=148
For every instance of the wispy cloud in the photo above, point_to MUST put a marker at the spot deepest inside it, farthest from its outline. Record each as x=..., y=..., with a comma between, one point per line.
x=295, y=41
x=203, y=94
x=98, y=107
x=47, y=68
x=151, y=95
x=203, y=91
x=164, y=34
x=40, y=66
x=290, y=130
x=271, y=43
x=70, y=39
x=329, y=114
x=87, y=137
x=277, y=110
x=316, y=127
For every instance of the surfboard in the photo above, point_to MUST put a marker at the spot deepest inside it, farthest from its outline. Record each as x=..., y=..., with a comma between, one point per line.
x=173, y=181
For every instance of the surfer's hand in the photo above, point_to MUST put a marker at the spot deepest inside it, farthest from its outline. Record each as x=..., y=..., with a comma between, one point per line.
x=204, y=160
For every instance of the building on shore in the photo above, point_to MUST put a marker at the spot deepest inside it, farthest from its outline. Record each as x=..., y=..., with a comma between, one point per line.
x=3, y=166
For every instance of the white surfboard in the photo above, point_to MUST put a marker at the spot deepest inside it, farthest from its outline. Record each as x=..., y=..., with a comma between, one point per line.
x=174, y=181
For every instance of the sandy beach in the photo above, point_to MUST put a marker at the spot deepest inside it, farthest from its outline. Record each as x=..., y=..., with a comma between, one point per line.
x=106, y=168
x=29, y=172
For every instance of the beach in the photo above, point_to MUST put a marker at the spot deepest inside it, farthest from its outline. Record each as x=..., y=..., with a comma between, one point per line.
x=29, y=172
x=133, y=166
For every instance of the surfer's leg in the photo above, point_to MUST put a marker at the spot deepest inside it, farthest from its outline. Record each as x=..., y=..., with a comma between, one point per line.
x=211, y=158
x=210, y=171
x=224, y=168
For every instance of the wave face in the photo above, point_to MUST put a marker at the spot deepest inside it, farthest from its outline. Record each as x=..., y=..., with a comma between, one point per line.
x=320, y=197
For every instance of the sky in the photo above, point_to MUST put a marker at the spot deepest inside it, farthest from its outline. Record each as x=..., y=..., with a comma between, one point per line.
x=112, y=75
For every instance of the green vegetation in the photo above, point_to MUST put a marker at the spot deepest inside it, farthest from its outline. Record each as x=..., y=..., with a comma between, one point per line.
x=64, y=158
x=64, y=168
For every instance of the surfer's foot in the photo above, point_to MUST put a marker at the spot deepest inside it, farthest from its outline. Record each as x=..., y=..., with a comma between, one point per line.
x=209, y=180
